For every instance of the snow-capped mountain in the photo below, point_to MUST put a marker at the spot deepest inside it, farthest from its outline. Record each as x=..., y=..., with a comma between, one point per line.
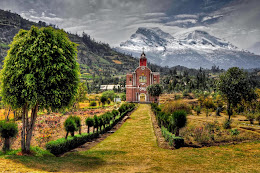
x=191, y=49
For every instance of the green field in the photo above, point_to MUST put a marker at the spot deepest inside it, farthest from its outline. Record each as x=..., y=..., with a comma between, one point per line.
x=133, y=148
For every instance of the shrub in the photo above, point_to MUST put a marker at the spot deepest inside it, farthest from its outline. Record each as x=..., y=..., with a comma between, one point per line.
x=178, y=120
x=197, y=109
x=115, y=113
x=90, y=123
x=234, y=132
x=227, y=124
x=123, y=97
x=8, y=130
x=257, y=118
x=173, y=140
x=250, y=117
x=93, y=103
x=173, y=106
x=70, y=126
x=78, y=122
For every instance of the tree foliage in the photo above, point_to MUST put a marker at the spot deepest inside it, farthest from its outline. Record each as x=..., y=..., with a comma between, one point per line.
x=40, y=71
x=235, y=87
x=154, y=90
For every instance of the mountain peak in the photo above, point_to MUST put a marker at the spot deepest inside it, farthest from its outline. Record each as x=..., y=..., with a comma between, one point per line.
x=192, y=49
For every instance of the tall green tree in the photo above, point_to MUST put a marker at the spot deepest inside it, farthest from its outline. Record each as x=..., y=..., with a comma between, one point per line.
x=235, y=86
x=40, y=72
x=155, y=90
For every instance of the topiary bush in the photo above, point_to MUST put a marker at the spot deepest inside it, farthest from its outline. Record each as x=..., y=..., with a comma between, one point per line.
x=70, y=126
x=77, y=120
x=8, y=130
x=93, y=103
x=90, y=123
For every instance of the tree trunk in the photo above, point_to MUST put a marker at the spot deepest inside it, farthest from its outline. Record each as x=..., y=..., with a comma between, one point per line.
x=24, y=113
x=66, y=135
x=229, y=110
x=80, y=130
x=6, y=145
x=30, y=127
x=72, y=134
x=88, y=129
x=177, y=131
x=93, y=129
x=27, y=129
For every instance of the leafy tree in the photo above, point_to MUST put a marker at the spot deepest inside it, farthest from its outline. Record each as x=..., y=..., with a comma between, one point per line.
x=8, y=130
x=81, y=94
x=154, y=90
x=235, y=87
x=178, y=120
x=109, y=95
x=40, y=72
x=123, y=97
x=103, y=99
x=90, y=123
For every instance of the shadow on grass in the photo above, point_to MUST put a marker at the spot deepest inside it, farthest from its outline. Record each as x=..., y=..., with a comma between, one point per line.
x=75, y=162
x=70, y=162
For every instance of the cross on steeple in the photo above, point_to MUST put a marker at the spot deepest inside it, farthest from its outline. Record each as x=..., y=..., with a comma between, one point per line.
x=143, y=49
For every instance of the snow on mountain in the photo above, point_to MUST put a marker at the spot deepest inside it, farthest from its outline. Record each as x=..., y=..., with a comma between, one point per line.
x=192, y=49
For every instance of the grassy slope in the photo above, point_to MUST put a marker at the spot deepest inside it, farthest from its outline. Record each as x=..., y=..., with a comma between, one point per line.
x=133, y=148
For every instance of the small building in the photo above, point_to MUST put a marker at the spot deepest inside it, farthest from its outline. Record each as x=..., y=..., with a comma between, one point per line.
x=109, y=87
x=138, y=81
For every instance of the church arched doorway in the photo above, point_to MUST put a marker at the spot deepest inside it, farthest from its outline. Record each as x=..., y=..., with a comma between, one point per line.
x=142, y=97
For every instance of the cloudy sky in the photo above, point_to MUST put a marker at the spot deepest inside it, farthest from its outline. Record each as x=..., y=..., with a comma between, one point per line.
x=114, y=21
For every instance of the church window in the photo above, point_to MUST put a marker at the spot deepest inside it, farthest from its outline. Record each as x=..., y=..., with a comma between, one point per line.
x=130, y=79
x=142, y=79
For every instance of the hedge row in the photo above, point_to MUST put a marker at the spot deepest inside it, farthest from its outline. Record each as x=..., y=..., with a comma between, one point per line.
x=174, y=141
x=63, y=145
x=162, y=120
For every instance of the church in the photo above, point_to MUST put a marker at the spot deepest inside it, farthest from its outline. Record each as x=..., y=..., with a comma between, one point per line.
x=138, y=81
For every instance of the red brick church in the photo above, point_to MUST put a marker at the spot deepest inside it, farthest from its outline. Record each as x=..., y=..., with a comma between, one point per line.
x=139, y=80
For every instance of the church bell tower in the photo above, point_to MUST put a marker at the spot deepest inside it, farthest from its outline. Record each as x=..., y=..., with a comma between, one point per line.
x=143, y=60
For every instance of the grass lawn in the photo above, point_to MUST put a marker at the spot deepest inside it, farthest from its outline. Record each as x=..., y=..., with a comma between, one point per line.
x=133, y=148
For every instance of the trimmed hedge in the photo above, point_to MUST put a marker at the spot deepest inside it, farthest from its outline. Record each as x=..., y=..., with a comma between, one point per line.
x=63, y=145
x=174, y=141
x=163, y=120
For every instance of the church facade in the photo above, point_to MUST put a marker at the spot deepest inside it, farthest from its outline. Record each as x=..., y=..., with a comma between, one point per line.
x=138, y=81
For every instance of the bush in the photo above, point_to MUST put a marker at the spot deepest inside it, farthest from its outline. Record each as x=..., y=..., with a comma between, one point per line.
x=115, y=113
x=93, y=103
x=178, y=120
x=173, y=106
x=78, y=122
x=8, y=130
x=123, y=97
x=257, y=118
x=174, y=141
x=197, y=109
x=234, y=132
x=250, y=117
x=90, y=123
x=70, y=126
x=227, y=123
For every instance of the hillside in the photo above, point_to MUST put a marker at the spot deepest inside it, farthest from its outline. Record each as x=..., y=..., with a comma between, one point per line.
x=96, y=59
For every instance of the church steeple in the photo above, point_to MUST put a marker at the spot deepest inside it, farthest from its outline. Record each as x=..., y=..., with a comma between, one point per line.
x=143, y=60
